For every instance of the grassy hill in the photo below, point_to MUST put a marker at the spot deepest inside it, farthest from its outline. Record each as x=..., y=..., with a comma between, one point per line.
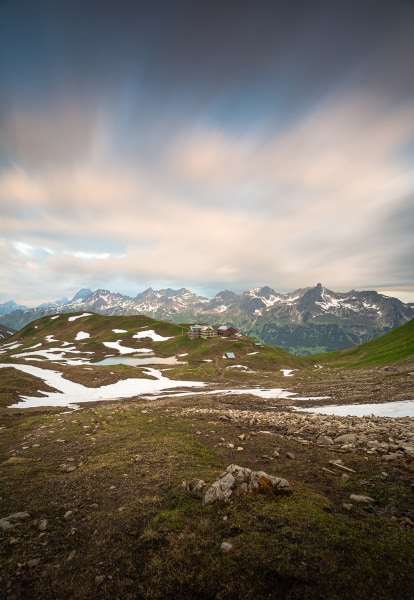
x=73, y=344
x=397, y=346
x=100, y=329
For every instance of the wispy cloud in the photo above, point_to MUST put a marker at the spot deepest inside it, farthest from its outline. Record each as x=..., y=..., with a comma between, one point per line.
x=279, y=154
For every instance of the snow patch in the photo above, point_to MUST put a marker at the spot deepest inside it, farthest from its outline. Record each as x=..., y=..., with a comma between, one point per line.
x=150, y=333
x=124, y=349
x=404, y=408
x=221, y=309
x=79, y=316
x=70, y=393
x=82, y=335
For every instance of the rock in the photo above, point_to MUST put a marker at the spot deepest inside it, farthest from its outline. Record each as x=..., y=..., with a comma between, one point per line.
x=5, y=524
x=325, y=440
x=13, y=520
x=238, y=481
x=99, y=579
x=42, y=526
x=406, y=522
x=361, y=498
x=407, y=448
x=19, y=516
x=290, y=455
x=226, y=547
x=392, y=456
x=221, y=490
x=195, y=487
x=347, y=438
x=34, y=562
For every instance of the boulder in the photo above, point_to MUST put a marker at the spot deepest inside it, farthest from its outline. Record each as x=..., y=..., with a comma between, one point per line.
x=347, y=438
x=325, y=440
x=238, y=481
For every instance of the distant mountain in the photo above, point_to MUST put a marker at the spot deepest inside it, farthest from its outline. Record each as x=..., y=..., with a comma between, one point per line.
x=83, y=293
x=60, y=302
x=305, y=321
x=10, y=306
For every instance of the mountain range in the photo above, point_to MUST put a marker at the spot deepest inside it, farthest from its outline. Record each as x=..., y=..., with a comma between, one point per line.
x=306, y=321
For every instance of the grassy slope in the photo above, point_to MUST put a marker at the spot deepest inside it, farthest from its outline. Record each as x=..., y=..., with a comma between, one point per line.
x=395, y=346
x=203, y=359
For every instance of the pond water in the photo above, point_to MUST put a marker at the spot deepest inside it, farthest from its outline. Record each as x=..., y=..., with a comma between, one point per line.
x=138, y=361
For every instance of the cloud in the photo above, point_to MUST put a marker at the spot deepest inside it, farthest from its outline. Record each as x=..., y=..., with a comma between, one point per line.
x=214, y=206
x=200, y=146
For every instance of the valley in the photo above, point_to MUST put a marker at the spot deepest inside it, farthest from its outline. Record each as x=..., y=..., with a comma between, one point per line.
x=304, y=322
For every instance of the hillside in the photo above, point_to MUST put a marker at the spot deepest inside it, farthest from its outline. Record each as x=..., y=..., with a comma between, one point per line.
x=6, y=332
x=93, y=502
x=306, y=321
x=74, y=343
x=393, y=348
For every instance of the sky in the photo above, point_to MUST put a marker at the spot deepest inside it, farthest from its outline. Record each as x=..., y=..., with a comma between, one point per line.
x=207, y=145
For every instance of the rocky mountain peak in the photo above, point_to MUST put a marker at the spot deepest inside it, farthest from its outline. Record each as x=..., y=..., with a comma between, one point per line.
x=82, y=294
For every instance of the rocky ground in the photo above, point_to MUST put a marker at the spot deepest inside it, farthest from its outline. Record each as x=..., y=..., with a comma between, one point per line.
x=357, y=386
x=93, y=503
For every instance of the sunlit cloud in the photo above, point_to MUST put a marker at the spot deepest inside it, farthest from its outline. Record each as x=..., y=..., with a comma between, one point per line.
x=91, y=255
x=285, y=160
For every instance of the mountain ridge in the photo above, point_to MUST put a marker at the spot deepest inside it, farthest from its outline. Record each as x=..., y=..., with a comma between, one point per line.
x=306, y=321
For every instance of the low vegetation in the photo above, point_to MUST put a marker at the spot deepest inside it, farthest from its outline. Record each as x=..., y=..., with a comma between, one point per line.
x=397, y=346
x=105, y=512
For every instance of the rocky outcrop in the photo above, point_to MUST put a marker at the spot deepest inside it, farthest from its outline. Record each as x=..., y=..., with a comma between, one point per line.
x=236, y=482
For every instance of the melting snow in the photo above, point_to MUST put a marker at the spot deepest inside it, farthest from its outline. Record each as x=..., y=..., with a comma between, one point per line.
x=221, y=308
x=79, y=316
x=70, y=393
x=119, y=330
x=6, y=347
x=404, y=408
x=150, y=333
x=124, y=349
x=82, y=335
x=287, y=372
x=52, y=354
